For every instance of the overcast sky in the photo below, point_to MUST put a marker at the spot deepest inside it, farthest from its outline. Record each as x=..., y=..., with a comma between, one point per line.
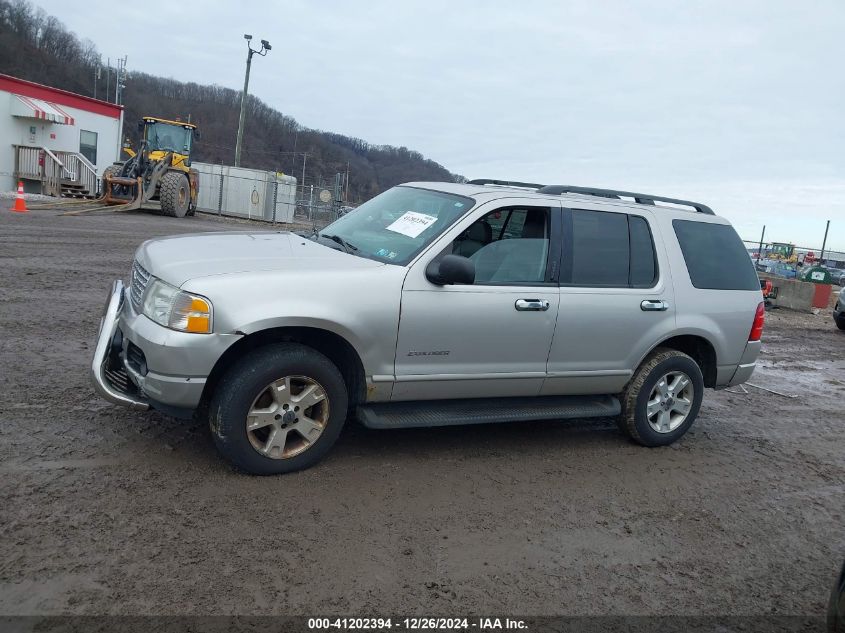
x=737, y=103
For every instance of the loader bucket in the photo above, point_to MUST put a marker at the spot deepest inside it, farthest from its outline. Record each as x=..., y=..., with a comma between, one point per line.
x=127, y=192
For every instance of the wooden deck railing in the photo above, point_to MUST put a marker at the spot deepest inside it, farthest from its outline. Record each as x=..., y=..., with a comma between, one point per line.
x=53, y=168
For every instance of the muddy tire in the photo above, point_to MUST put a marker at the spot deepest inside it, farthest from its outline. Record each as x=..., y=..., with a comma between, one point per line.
x=111, y=171
x=278, y=409
x=175, y=194
x=662, y=400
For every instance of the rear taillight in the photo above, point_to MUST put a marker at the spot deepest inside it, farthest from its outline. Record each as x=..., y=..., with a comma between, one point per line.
x=757, y=326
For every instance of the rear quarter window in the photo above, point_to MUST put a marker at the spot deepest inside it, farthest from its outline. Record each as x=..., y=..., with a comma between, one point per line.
x=715, y=256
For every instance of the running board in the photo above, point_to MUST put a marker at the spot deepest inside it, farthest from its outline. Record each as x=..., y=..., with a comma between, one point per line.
x=391, y=415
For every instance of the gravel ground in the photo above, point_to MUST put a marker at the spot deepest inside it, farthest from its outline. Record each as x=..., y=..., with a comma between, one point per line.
x=107, y=511
x=29, y=197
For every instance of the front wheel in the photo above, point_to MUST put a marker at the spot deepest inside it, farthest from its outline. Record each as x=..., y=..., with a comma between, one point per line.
x=174, y=194
x=278, y=409
x=662, y=400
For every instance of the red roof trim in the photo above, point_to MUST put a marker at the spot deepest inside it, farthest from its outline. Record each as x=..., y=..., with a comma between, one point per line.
x=55, y=95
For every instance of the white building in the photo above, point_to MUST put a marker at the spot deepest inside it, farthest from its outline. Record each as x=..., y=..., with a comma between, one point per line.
x=55, y=141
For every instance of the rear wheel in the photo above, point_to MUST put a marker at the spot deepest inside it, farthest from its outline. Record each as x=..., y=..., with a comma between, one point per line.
x=278, y=409
x=840, y=322
x=174, y=194
x=662, y=400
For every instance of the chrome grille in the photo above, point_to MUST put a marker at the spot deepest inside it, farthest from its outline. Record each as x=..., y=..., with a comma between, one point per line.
x=119, y=379
x=140, y=278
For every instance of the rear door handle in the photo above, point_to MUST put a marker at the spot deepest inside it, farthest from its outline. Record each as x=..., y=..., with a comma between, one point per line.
x=654, y=305
x=525, y=305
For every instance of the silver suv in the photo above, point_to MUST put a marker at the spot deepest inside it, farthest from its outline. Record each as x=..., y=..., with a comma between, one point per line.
x=436, y=304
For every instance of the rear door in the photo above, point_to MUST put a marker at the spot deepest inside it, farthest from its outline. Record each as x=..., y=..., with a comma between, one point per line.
x=491, y=338
x=616, y=300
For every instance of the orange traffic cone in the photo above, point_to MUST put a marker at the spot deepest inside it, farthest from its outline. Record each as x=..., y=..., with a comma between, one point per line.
x=20, y=203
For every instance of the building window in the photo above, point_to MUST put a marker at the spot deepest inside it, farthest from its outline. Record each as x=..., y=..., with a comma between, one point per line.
x=88, y=145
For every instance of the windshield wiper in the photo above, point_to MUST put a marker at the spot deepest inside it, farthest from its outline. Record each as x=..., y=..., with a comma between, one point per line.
x=349, y=248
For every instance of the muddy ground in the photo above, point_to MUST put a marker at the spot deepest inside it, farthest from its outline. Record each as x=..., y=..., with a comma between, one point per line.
x=107, y=511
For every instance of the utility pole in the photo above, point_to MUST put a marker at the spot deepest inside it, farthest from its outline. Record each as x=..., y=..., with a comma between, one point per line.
x=760, y=249
x=346, y=189
x=265, y=47
x=304, y=158
x=824, y=242
x=120, y=78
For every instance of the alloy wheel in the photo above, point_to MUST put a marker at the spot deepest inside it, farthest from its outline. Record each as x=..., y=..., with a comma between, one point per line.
x=670, y=402
x=287, y=417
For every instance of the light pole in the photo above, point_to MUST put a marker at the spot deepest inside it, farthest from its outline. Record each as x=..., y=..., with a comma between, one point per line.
x=265, y=46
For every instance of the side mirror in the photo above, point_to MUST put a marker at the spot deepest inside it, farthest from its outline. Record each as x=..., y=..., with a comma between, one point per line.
x=197, y=134
x=451, y=269
x=140, y=127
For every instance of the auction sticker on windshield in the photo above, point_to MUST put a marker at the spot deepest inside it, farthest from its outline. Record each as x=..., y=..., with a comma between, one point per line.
x=412, y=223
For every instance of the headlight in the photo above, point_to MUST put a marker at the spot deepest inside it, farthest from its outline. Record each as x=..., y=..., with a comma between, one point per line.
x=178, y=310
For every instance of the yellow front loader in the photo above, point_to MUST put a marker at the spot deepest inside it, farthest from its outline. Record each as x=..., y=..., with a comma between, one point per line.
x=159, y=170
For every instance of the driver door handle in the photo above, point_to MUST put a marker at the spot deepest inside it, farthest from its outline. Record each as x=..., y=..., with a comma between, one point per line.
x=536, y=305
x=654, y=305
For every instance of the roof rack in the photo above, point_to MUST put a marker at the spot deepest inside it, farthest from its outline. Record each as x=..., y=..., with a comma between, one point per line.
x=505, y=183
x=641, y=198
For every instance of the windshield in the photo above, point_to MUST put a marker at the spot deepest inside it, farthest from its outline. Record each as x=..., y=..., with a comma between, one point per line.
x=168, y=138
x=396, y=225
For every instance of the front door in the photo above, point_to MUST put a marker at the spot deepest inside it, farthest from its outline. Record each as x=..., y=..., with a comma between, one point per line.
x=491, y=338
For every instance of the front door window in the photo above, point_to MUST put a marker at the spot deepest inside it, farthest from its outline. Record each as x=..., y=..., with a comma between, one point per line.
x=507, y=246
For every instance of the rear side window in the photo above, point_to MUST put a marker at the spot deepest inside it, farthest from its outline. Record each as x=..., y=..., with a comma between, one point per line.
x=715, y=256
x=611, y=250
x=599, y=248
x=643, y=265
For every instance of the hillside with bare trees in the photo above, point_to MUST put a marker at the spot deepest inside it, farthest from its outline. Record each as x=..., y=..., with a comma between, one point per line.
x=37, y=47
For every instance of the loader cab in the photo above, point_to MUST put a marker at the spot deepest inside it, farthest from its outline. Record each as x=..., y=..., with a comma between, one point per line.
x=163, y=136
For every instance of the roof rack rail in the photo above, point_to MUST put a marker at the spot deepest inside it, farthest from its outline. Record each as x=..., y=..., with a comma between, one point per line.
x=505, y=183
x=641, y=198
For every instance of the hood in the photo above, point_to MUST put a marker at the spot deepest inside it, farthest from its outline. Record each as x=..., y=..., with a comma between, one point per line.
x=178, y=258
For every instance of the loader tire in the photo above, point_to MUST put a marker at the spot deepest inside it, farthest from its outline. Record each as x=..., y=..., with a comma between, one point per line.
x=174, y=194
x=110, y=171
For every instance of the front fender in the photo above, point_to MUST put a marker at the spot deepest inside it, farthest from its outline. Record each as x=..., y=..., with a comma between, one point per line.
x=359, y=305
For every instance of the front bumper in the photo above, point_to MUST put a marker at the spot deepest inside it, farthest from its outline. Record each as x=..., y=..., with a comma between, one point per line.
x=104, y=374
x=173, y=367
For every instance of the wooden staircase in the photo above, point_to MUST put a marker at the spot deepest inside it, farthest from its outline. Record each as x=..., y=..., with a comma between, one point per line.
x=71, y=189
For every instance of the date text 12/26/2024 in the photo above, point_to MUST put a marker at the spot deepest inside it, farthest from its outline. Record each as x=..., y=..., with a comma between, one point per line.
x=415, y=624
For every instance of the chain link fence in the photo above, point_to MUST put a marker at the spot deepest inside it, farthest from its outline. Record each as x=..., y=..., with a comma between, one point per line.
x=795, y=253
x=790, y=260
x=322, y=202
